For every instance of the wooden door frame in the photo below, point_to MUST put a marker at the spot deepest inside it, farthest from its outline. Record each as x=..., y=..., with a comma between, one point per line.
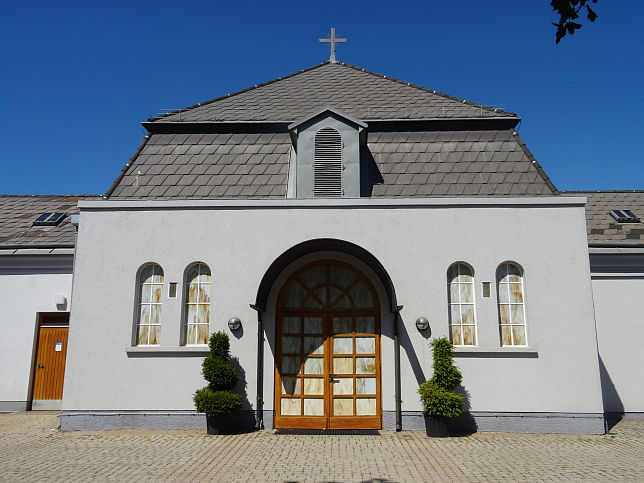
x=312, y=422
x=40, y=322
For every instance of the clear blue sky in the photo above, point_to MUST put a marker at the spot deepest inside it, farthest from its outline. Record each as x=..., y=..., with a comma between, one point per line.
x=78, y=77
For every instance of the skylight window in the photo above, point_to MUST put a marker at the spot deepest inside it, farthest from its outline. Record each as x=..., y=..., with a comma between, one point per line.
x=624, y=216
x=49, y=219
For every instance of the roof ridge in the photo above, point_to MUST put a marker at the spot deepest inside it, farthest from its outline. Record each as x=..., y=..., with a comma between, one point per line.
x=426, y=89
x=256, y=86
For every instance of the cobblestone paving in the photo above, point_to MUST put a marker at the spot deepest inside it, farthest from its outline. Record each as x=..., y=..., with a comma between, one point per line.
x=31, y=449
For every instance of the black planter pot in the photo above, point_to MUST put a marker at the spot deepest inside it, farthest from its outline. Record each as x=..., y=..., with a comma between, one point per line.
x=436, y=427
x=218, y=425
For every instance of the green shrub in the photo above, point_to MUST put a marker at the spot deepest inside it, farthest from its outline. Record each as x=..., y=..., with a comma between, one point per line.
x=217, y=399
x=440, y=403
x=220, y=373
x=217, y=403
x=446, y=375
x=437, y=394
x=219, y=346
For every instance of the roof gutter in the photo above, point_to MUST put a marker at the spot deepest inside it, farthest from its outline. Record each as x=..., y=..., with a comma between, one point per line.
x=126, y=167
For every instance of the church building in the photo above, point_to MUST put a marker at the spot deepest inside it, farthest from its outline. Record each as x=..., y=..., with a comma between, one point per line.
x=333, y=222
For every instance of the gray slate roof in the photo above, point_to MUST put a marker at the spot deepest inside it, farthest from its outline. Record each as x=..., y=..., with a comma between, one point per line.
x=360, y=93
x=17, y=213
x=601, y=227
x=430, y=163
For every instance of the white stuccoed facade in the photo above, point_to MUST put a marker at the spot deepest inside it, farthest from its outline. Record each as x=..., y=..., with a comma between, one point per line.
x=551, y=385
x=620, y=331
x=29, y=285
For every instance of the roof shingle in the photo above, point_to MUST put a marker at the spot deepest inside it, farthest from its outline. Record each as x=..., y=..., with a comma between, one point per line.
x=397, y=169
x=601, y=227
x=360, y=93
x=17, y=214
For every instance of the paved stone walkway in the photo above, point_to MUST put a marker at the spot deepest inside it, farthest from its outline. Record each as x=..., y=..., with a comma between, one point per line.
x=31, y=449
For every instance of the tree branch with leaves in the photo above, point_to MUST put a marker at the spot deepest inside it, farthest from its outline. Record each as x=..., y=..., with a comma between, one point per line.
x=568, y=11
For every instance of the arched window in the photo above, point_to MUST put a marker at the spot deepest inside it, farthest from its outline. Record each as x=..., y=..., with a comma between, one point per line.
x=462, y=314
x=149, y=314
x=197, y=310
x=327, y=164
x=510, y=293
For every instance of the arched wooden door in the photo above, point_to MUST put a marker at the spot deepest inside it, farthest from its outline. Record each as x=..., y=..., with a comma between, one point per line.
x=327, y=373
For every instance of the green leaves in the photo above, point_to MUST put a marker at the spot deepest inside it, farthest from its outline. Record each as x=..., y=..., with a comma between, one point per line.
x=446, y=375
x=219, y=373
x=438, y=402
x=568, y=11
x=217, y=399
x=217, y=403
x=219, y=345
x=437, y=394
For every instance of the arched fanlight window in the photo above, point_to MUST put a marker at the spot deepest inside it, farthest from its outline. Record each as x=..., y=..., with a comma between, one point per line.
x=327, y=165
x=150, y=305
x=462, y=313
x=197, y=309
x=510, y=291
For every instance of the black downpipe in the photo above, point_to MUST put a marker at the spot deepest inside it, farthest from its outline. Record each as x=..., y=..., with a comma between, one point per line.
x=259, y=414
x=397, y=369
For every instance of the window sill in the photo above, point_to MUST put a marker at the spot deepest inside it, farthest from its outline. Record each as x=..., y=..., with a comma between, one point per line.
x=167, y=351
x=475, y=351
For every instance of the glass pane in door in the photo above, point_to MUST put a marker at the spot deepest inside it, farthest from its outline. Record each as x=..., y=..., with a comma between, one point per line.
x=354, y=367
x=302, y=366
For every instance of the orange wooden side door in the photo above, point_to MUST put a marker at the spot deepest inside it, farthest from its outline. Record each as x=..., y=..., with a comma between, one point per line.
x=50, y=363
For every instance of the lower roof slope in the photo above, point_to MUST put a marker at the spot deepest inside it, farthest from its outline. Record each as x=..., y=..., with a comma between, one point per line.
x=420, y=163
x=17, y=214
x=601, y=226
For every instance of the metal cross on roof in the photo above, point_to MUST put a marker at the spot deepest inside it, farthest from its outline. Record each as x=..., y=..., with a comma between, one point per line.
x=332, y=40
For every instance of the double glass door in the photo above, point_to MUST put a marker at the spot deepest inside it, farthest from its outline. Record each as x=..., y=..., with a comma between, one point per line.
x=328, y=351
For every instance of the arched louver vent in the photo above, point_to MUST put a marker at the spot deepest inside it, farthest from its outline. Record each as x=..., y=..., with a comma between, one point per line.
x=327, y=168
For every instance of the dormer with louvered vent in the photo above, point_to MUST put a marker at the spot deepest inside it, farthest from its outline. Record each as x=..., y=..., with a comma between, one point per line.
x=326, y=162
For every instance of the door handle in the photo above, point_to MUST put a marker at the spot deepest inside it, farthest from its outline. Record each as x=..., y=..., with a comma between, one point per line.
x=331, y=379
x=41, y=366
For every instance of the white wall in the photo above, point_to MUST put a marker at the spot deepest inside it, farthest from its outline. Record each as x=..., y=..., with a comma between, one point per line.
x=416, y=241
x=620, y=333
x=25, y=292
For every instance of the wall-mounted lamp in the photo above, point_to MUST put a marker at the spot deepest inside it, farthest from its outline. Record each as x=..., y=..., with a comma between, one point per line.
x=234, y=324
x=422, y=323
x=61, y=302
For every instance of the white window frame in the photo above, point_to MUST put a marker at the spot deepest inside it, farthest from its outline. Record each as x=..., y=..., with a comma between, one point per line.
x=511, y=305
x=187, y=303
x=459, y=304
x=156, y=270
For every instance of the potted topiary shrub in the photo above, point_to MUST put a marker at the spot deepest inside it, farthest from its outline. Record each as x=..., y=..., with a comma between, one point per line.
x=440, y=402
x=217, y=400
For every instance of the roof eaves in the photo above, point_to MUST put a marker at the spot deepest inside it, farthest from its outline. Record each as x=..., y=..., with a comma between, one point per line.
x=431, y=91
x=149, y=125
x=256, y=86
x=36, y=246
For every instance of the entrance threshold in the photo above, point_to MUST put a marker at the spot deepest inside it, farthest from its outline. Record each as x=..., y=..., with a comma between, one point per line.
x=47, y=405
x=328, y=432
